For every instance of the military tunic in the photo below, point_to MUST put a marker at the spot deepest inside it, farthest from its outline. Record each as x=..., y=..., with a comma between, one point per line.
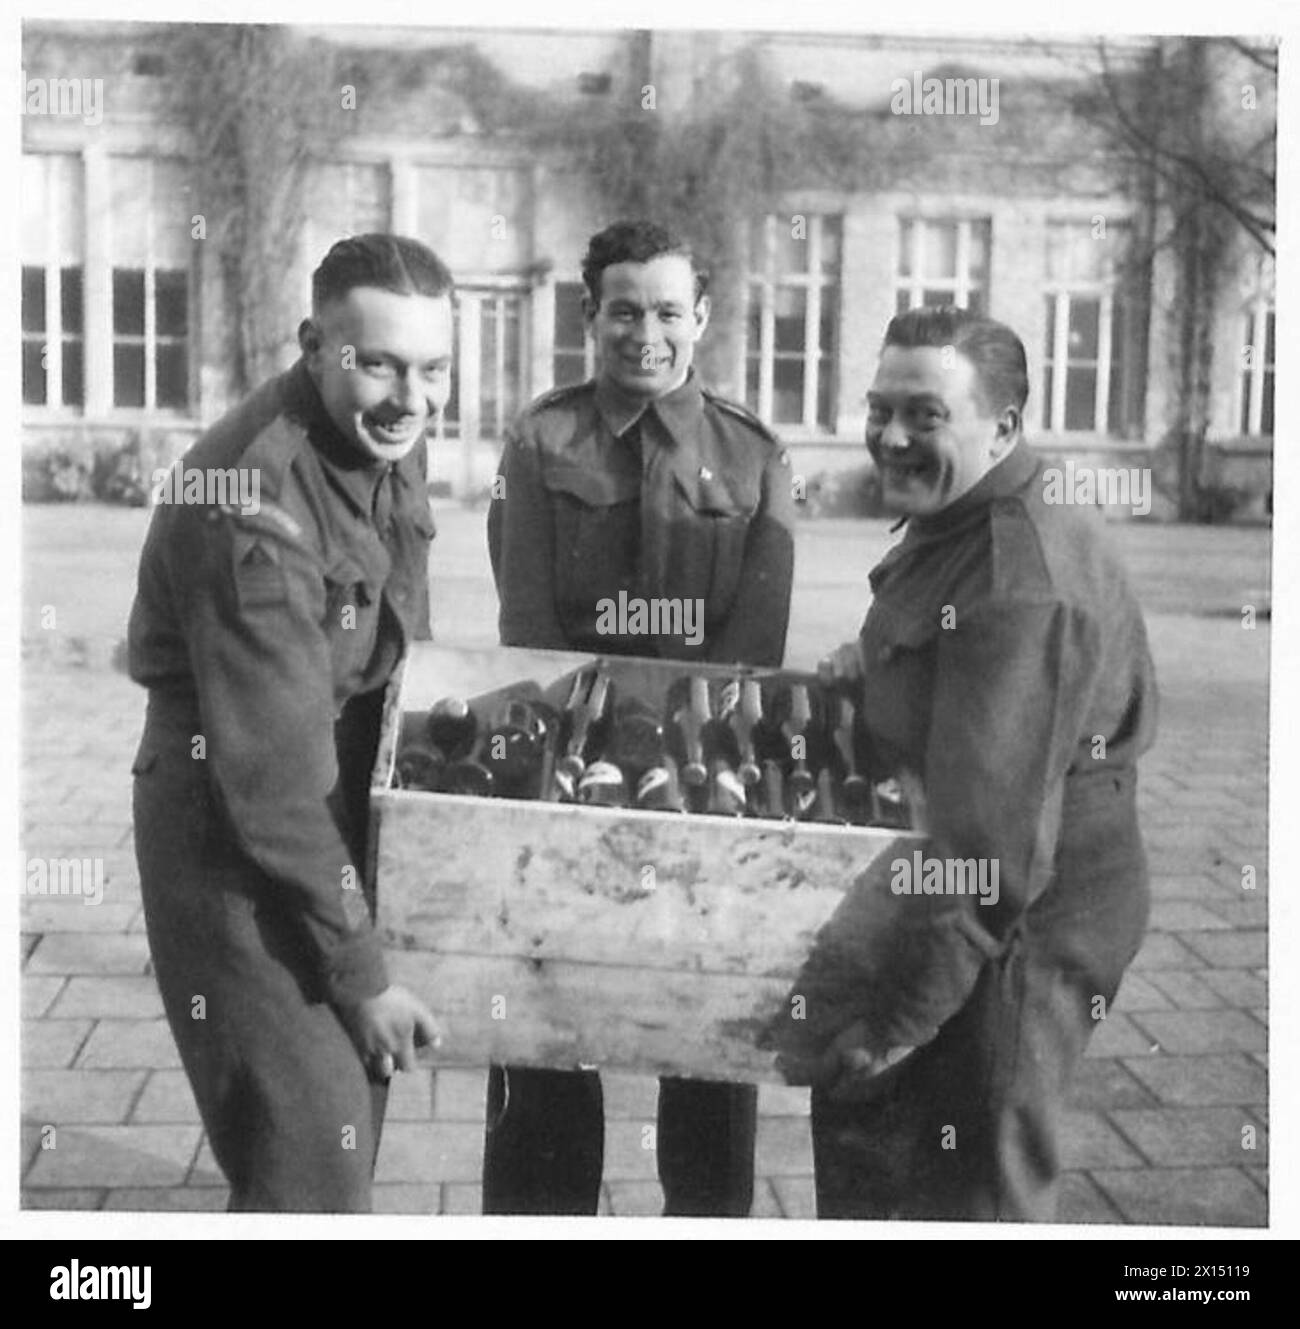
x=265, y=638
x=685, y=497
x=1007, y=665
x=603, y=496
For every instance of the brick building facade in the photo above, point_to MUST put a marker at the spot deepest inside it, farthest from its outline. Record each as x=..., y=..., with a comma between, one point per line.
x=126, y=320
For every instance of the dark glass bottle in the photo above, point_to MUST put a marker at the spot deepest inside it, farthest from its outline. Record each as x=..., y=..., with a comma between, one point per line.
x=452, y=727
x=420, y=766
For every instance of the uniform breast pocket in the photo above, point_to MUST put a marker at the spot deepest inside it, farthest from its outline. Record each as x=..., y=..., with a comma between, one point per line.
x=706, y=544
x=597, y=527
x=351, y=616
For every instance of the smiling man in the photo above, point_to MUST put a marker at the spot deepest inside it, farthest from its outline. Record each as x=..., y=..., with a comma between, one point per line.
x=640, y=485
x=1003, y=664
x=266, y=640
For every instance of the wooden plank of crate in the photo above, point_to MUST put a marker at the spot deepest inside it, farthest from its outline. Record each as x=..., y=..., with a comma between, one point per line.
x=614, y=886
x=562, y=1014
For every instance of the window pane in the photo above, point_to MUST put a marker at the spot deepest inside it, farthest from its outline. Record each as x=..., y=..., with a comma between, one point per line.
x=830, y=244
x=939, y=249
x=171, y=303
x=1266, y=415
x=754, y=320
x=1085, y=320
x=905, y=248
x=1270, y=320
x=129, y=189
x=790, y=318
x=830, y=313
x=975, y=302
x=173, y=372
x=74, y=391
x=1245, y=404
x=33, y=373
x=787, y=392
x=569, y=330
x=751, y=382
x=70, y=300
x=1081, y=399
x=792, y=249
x=1121, y=410
x=979, y=248
x=903, y=303
x=128, y=302
x=1050, y=324
x=33, y=300
x=826, y=392
x=937, y=299
x=128, y=375
x=1047, y=398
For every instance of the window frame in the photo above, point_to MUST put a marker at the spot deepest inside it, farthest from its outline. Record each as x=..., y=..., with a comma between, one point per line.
x=52, y=266
x=1061, y=290
x=1250, y=391
x=814, y=283
x=916, y=283
x=149, y=338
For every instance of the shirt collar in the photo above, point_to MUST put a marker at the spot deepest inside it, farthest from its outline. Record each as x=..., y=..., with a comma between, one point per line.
x=679, y=411
x=351, y=472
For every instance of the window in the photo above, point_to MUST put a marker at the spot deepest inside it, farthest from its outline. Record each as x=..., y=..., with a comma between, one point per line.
x=943, y=263
x=792, y=320
x=1256, y=415
x=487, y=383
x=1092, y=355
x=53, y=315
x=574, y=352
x=150, y=217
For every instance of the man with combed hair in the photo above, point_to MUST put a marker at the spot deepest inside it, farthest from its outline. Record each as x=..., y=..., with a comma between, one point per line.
x=640, y=483
x=1003, y=666
x=266, y=640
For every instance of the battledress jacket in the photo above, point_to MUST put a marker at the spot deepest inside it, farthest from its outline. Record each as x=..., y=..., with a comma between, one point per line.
x=257, y=630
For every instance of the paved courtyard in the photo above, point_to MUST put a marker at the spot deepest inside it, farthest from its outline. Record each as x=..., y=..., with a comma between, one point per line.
x=1167, y=1124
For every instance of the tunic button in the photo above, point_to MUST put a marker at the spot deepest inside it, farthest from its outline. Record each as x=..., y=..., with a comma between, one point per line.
x=886, y=654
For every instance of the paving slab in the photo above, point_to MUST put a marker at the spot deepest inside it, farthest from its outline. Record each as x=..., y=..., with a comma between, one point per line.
x=115, y=998
x=1173, y=1137
x=116, y=1156
x=1186, y=1197
x=168, y=1199
x=127, y=1043
x=66, y=1096
x=1203, y=1031
x=167, y=1097
x=89, y=953
x=1205, y=1080
x=53, y=1043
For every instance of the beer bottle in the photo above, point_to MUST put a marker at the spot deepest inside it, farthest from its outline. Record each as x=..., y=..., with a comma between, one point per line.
x=451, y=727
x=856, y=788
x=420, y=766
x=658, y=790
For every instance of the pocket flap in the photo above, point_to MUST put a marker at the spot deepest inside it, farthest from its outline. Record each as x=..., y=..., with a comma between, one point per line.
x=596, y=489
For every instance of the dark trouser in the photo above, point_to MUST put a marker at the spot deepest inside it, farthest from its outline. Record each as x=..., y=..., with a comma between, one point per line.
x=293, y=1120
x=545, y=1144
x=967, y=1128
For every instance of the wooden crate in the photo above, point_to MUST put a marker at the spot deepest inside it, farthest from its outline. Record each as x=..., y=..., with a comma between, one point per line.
x=550, y=934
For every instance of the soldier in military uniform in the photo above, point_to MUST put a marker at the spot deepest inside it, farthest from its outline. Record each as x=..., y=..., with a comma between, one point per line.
x=643, y=483
x=1004, y=662
x=265, y=635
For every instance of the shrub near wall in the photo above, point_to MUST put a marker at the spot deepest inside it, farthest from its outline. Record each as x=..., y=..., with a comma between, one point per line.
x=97, y=463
